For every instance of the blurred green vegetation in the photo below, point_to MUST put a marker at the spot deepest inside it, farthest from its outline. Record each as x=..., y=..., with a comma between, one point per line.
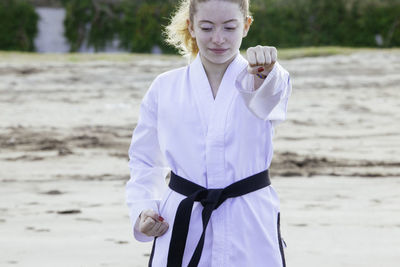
x=282, y=23
x=297, y=23
x=138, y=25
x=18, y=25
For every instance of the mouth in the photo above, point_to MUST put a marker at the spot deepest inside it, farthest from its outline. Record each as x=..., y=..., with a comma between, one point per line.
x=218, y=50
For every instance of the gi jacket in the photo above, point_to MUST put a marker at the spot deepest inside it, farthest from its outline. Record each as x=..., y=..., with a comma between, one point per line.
x=213, y=143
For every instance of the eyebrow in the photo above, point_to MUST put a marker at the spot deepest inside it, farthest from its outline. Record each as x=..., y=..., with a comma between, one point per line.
x=207, y=21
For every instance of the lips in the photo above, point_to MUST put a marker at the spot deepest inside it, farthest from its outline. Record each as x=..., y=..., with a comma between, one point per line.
x=218, y=50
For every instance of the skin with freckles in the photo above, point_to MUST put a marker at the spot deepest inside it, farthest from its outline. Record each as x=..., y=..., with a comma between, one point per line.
x=218, y=27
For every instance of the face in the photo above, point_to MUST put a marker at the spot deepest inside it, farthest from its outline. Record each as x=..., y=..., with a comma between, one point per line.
x=218, y=27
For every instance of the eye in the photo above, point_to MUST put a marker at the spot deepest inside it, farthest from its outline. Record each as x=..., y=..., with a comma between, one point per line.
x=230, y=28
x=206, y=29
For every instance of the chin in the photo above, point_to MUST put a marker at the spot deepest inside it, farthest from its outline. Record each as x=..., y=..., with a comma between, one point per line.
x=220, y=59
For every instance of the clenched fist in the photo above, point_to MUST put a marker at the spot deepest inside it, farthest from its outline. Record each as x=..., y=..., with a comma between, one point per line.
x=152, y=224
x=261, y=59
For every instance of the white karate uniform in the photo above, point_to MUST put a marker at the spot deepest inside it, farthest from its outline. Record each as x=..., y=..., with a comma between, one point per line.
x=212, y=143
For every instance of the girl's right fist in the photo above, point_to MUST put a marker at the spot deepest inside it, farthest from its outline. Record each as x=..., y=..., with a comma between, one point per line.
x=152, y=224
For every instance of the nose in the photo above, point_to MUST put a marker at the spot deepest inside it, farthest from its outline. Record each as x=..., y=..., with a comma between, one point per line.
x=218, y=37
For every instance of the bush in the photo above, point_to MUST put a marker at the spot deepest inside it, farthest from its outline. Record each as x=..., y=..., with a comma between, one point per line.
x=90, y=21
x=141, y=25
x=18, y=25
x=136, y=24
x=293, y=23
x=282, y=23
x=376, y=18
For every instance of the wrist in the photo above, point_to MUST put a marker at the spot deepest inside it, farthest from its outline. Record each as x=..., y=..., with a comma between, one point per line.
x=263, y=73
x=261, y=76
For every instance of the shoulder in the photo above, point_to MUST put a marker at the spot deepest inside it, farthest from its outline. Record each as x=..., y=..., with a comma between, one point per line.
x=165, y=82
x=171, y=76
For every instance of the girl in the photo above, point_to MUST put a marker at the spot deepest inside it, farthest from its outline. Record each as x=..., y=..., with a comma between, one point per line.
x=211, y=124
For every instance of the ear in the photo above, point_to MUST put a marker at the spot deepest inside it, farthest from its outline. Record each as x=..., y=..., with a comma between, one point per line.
x=248, y=21
x=190, y=28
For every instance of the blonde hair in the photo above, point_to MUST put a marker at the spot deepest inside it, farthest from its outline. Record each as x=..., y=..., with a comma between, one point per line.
x=177, y=32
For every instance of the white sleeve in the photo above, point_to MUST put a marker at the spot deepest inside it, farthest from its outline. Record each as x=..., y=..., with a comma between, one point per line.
x=269, y=102
x=148, y=167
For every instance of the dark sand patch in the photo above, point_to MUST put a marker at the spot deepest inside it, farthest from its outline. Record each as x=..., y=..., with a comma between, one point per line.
x=68, y=212
x=53, y=192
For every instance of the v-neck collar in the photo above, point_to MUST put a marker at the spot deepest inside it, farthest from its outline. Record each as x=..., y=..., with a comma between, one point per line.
x=214, y=110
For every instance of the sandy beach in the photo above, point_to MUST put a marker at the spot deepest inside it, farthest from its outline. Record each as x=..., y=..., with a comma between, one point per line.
x=65, y=128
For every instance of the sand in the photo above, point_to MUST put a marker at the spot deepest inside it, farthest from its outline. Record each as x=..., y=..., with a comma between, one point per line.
x=66, y=124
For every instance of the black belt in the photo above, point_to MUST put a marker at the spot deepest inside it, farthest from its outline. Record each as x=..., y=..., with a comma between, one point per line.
x=211, y=199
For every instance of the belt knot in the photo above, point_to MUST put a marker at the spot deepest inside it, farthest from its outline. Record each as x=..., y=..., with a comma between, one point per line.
x=213, y=197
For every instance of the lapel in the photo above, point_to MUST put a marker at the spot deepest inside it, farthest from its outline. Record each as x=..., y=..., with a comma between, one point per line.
x=213, y=113
x=202, y=91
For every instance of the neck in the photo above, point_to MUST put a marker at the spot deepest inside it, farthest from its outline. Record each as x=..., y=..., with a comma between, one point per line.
x=214, y=69
x=215, y=72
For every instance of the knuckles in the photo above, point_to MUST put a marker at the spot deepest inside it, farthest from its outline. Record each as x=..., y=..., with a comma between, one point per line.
x=261, y=55
x=151, y=227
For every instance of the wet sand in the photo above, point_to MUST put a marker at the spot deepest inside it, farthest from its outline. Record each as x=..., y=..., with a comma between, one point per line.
x=65, y=127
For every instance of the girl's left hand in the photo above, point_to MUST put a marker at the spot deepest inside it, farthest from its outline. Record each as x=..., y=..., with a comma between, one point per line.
x=261, y=59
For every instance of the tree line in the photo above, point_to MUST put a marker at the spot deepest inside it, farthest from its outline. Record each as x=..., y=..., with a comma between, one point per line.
x=138, y=25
